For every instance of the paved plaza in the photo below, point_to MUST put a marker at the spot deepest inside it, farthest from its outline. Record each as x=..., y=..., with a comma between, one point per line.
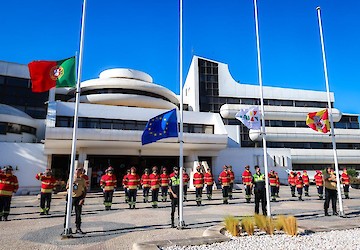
x=121, y=227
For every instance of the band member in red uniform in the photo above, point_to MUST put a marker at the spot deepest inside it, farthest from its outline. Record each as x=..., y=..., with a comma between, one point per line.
x=108, y=183
x=133, y=182
x=186, y=179
x=164, y=183
x=224, y=180
x=319, y=182
x=247, y=181
x=8, y=185
x=232, y=179
x=47, y=185
x=209, y=181
x=198, y=181
x=345, y=180
x=272, y=180
x=155, y=185
x=292, y=183
x=306, y=181
x=145, y=183
x=299, y=185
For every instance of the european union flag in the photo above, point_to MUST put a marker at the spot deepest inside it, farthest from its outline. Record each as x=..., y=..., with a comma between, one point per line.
x=159, y=127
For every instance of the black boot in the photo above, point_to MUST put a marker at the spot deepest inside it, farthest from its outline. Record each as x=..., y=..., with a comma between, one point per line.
x=326, y=213
x=172, y=223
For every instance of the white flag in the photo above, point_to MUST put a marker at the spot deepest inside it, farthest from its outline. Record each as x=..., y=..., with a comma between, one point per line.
x=249, y=117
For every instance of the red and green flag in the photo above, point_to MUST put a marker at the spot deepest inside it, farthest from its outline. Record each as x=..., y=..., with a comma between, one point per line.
x=48, y=74
x=319, y=121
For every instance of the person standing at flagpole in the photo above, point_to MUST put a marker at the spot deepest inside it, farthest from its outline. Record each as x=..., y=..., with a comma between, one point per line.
x=330, y=191
x=259, y=183
x=78, y=198
x=174, y=186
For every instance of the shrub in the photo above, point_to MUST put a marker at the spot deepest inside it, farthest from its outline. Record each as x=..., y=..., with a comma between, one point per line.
x=232, y=225
x=260, y=221
x=280, y=222
x=270, y=228
x=290, y=226
x=354, y=180
x=352, y=172
x=247, y=224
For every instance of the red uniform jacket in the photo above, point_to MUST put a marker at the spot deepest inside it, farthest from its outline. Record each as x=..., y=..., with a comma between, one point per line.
x=345, y=179
x=108, y=182
x=305, y=178
x=277, y=180
x=198, y=180
x=272, y=179
x=124, y=181
x=292, y=180
x=299, y=182
x=232, y=176
x=154, y=181
x=8, y=185
x=164, y=180
x=186, y=178
x=133, y=181
x=247, y=177
x=145, y=180
x=209, y=179
x=47, y=183
x=224, y=178
x=319, y=179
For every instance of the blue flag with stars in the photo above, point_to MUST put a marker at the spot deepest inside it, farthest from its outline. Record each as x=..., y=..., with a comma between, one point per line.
x=159, y=127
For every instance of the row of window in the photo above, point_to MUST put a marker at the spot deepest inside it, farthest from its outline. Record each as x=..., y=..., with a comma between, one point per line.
x=17, y=92
x=7, y=127
x=98, y=123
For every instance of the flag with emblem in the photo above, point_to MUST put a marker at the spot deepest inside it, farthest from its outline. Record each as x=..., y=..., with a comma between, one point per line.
x=48, y=74
x=319, y=121
x=160, y=127
x=249, y=117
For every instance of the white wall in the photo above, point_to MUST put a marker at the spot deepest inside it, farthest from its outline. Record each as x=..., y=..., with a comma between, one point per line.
x=28, y=159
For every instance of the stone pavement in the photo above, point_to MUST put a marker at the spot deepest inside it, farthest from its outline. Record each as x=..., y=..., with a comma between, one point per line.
x=121, y=227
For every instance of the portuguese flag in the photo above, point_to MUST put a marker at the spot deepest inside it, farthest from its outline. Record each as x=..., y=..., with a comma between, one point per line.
x=48, y=74
x=319, y=121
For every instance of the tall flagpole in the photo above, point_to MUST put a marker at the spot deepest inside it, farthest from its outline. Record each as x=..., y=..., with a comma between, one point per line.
x=181, y=154
x=68, y=231
x=263, y=132
x=341, y=212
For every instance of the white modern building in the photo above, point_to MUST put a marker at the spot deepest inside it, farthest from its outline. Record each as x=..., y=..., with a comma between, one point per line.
x=115, y=108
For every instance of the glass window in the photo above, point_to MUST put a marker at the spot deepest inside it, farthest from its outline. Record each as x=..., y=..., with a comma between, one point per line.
x=3, y=128
x=14, y=128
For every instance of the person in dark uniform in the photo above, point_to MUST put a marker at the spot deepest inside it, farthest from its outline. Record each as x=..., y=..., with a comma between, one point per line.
x=174, y=184
x=258, y=181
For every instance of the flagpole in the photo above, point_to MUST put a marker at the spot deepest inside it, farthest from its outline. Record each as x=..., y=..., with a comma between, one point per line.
x=68, y=231
x=341, y=212
x=263, y=132
x=181, y=160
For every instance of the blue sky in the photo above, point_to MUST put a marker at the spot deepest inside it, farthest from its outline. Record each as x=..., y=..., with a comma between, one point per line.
x=143, y=35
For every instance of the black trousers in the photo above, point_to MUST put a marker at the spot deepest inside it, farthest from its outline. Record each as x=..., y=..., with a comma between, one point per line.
x=231, y=189
x=273, y=191
x=320, y=190
x=185, y=190
x=209, y=189
x=346, y=189
x=132, y=196
x=198, y=192
x=247, y=191
x=292, y=188
x=154, y=195
x=260, y=195
x=5, y=202
x=225, y=192
x=174, y=204
x=306, y=189
x=146, y=191
x=78, y=210
x=299, y=190
x=108, y=197
x=45, y=198
x=330, y=194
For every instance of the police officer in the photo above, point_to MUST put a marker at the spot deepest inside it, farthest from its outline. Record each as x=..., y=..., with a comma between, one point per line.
x=259, y=190
x=174, y=184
